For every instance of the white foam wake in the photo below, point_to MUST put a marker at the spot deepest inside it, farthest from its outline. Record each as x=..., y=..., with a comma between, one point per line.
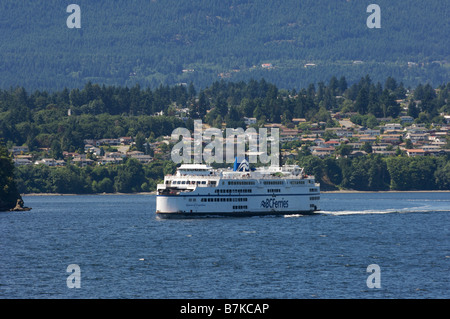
x=386, y=211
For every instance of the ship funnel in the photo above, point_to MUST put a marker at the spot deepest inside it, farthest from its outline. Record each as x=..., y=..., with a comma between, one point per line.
x=241, y=165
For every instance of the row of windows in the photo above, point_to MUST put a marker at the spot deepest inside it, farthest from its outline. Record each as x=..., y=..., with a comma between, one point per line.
x=313, y=190
x=273, y=183
x=224, y=199
x=314, y=198
x=241, y=183
x=233, y=190
x=236, y=182
x=188, y=182
x=273, y=190
x=240, y=207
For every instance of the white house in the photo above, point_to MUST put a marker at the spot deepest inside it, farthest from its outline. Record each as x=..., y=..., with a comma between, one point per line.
x=83, y=162
x=392, y=127
x=22, y=161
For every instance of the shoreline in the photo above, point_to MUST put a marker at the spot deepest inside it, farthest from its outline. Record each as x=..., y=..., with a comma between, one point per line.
x=375, y=192
x=154, y=193
x=93, y=194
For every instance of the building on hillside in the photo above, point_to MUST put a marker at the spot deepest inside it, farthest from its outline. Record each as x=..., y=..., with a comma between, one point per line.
x=109, y=141
x=15, y=150
x=126, y=140
x=298, y=120
x=50, y=162
x=22, y=162
x=415, y=152
x=407, y=119
x=417, y=137
x=391, y=138
x=83, y=162
x=109, y=160
x=322, y=151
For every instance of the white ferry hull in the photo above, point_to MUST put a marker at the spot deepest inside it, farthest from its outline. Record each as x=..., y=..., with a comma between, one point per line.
x=228, y=214
x=257, y=205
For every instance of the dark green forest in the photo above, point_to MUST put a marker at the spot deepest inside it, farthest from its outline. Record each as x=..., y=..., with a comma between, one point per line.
x=369, y=173
x=378, y=173
x=128, y=42
x=9, y=193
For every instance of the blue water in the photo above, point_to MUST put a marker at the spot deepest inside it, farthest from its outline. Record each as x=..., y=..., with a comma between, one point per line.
x=124, y=251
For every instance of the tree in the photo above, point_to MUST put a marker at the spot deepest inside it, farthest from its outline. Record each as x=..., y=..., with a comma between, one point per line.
x=442, y=176
x=105, y=186
x=69, y=180
x=332, y=170
x=9, y=195
x=323, y=115
x=411, y=173
x=409, y=144
x=200, y=106
x=413, y=111
x=390, y=84
x=390, y=106
x=234, y=119
x=342, y=85
x=344, y=149
x=379, y=178
x=130, y=177
x=222, y=105
x=140, y=142
x=56, y=150
x=362, y=101
x=367, y=147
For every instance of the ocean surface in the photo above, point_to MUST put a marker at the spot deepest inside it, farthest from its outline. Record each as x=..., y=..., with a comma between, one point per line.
x=123, y=251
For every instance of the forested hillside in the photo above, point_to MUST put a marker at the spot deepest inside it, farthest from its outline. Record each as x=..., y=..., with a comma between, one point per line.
x=41, y=119
x=124, y=42
x=51, y=123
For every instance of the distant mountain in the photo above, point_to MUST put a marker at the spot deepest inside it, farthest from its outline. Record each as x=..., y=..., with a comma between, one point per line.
x=290, y=43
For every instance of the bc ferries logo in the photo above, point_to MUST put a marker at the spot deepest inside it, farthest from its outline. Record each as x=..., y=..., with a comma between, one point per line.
x=272, y=203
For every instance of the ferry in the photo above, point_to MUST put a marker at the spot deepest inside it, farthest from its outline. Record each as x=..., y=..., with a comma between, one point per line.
x=198, y=190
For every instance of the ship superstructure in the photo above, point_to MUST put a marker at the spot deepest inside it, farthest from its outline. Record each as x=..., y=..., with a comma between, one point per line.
x=199, y=190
